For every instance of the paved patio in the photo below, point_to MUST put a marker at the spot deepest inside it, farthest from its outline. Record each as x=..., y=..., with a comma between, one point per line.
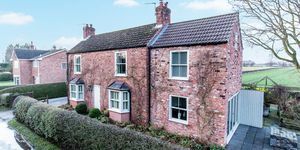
x=252, y=138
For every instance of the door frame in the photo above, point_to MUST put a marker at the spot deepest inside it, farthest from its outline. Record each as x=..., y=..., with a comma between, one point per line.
x=235, y=126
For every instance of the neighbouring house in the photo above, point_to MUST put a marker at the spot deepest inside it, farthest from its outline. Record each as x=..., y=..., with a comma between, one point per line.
x=184, y=76
x=32, y=66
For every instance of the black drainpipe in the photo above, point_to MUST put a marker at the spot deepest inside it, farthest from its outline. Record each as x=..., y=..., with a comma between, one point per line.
x=149, y=86
x=68, y=78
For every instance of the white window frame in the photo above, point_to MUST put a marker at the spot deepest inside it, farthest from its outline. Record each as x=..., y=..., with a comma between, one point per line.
x=236, y=41
x=80, y=65
x=35, y=64
x=116, y=71
x=187, y=69
x=17, y=76
x=187, y=110
x=120, y=100
x=76, y=98
x=63, y=67
x=16, y=64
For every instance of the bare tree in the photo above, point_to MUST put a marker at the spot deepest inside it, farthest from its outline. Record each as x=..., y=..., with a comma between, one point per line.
x=276, y=27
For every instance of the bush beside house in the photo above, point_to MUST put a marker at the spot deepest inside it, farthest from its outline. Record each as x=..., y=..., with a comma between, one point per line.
x=6, y=76
x=67, y=128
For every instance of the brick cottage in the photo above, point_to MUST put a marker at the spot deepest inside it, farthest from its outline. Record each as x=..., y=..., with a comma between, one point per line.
x=32, y=66
x=180, y=76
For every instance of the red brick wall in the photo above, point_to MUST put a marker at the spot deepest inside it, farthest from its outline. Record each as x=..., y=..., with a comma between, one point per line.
x=164, y=87
x=26, y=72
x=50, y=68
x=98, y=68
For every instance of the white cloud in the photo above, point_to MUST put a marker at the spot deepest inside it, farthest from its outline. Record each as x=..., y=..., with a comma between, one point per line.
x=13, y=18
x=219, y=5
x=126, y=3
x=66, y=42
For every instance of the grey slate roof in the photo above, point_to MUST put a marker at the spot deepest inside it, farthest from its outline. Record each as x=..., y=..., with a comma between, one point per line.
x=76, y=81
x=210, y=30
x=128, y=38
x=47, y=53
x=28, y=54
x=119, y=85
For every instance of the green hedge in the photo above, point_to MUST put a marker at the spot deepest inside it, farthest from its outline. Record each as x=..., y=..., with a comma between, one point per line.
x=73, y=131
x=6, y=76
x=52, y=90
x=7, y=99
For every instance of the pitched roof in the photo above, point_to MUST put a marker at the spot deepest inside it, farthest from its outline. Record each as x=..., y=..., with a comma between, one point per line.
x=128, y=38
x=210, y=30
x=28, y=54
x=48, y=53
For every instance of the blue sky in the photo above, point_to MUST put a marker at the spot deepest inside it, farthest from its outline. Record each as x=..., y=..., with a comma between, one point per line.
x=60, y=22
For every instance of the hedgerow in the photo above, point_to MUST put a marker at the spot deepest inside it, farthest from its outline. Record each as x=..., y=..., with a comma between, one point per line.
x=52, y=90
x=73, y=131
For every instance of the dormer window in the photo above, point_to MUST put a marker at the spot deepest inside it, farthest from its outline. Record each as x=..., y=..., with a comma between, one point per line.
x=121, y=63
x=77, y=64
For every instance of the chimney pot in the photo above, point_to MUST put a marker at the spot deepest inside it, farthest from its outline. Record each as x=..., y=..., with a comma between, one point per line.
x=163, y=14
x=88, y=31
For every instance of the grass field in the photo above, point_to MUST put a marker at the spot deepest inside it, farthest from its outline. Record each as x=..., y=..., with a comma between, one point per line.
x=289, y=77
x=6, y=83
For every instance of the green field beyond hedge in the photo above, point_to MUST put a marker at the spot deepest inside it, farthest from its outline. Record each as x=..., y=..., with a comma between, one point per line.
x=289, y=77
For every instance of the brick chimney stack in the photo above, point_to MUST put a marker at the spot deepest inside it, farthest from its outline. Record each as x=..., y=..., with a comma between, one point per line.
x=88, y=30
x=163, y=14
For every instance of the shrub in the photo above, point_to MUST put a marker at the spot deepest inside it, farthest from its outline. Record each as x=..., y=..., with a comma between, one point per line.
x=81, y=108
x=73, y=131
x=52, y=90
x=22, y=107
x=7, y=99
x=94, y=113
x=6, y=76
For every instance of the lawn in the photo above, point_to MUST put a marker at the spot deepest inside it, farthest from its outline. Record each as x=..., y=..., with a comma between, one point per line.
x=6, y=83
x=289, y=77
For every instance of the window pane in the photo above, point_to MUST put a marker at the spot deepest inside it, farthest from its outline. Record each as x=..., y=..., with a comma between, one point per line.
x=182, y=115
x=183, y=57
x=175, y=113
x=125, y=105
x=125, y=96
x=183, y=71
x=121, y=58
x=175, y=58
x=175, y=71
x=80, y=96
x=80, y=88
x=174, y=101
x=121, y=69
x=78, y=60
x=182, y=103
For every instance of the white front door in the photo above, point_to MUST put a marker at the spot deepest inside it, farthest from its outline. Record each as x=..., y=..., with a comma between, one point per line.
x=96, y=95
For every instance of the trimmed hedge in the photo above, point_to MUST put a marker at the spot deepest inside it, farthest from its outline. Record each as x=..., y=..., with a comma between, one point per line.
x=52, y=90
x=7, y=99
x=6, y=76
x=73, y=131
